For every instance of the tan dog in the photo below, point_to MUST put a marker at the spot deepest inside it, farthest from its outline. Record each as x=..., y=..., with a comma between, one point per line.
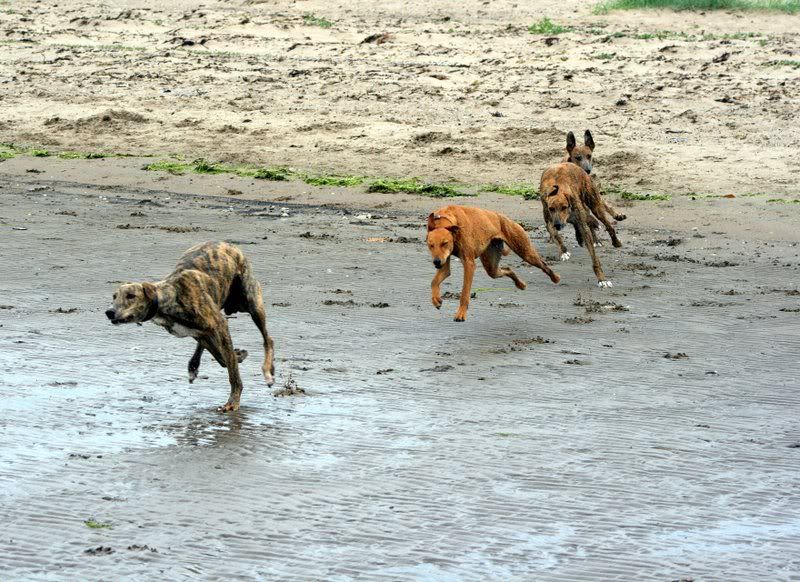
x=209, y=278
x=580, y=155
x=469, y=233
x=569, y=196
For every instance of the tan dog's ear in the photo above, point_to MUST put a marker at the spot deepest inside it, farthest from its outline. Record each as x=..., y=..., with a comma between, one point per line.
x=431, y=221
x=453, y=228
x=149, y=291
x=570, y=142
x=587, y=140
x=554, y=191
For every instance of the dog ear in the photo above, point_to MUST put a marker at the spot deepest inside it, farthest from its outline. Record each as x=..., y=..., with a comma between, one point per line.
x=453, y=228
x=570, y=142
x=554, y=191
x=431, y=221
x=587, y=140
x=149, y=291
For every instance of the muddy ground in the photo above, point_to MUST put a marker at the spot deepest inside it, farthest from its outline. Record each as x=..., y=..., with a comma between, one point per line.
x=644, y=432
x=449, y=91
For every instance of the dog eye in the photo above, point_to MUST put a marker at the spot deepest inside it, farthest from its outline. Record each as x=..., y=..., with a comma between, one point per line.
x=130, y=296
x=114, y=296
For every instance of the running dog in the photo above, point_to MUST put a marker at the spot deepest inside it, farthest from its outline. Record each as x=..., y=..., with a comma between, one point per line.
x=569, y=196
x=209, y=278
x=469, y=233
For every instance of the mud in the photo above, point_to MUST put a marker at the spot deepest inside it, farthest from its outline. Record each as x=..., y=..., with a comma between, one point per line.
x=513, y=446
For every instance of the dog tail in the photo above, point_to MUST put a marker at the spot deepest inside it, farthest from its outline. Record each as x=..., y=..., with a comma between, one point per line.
x=517, y=239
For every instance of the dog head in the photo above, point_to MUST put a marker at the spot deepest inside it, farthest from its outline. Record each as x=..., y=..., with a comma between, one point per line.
x=441, y=239
x=132, y=303
x=558, y=206
x=581, y=155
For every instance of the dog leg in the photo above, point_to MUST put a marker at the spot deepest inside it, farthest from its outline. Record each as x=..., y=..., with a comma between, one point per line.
x=589, y=239
x=194, y=362
x=598, y=208
x=469, y=272
x=218, y=343
x=255, y=306
x=491, y=262
x=554, y=235
x=611, y=210
x=518, y=240
x=441, y=274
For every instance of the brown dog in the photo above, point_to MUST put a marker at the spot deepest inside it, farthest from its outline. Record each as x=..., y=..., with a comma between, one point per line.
x=209, y=278
x=469, y=233
x=569, y=196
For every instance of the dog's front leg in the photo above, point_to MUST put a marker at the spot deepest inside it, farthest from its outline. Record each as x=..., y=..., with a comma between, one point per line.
x=588, y=237
x=554, y=235
x=469, y=272
x=194, y=362
x=442, y=274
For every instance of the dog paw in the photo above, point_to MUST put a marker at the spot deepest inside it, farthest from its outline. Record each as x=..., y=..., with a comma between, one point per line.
x=460, y=316
x=241, y=355
x=617, y=244
x=565, y=256
x=620, y=217
x=269, y=378
x=228, y=407
x=192, y=376
x=437, y=302
x=521, y=285
x=604, y=284
x=598, y=244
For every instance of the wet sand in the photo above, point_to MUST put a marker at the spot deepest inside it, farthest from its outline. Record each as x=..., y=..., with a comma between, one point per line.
x=546, y=438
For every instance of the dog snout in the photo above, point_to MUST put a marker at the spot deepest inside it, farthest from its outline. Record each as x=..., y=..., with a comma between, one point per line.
x=110, y=314
x=558, y=225
x=587, y=168
x=437, y=263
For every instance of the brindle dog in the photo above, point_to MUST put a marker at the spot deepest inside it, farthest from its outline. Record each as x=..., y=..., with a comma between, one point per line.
x=569, y=196
x=209, y=278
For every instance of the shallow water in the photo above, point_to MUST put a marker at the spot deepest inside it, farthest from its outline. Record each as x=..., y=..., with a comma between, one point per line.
x=511, y=465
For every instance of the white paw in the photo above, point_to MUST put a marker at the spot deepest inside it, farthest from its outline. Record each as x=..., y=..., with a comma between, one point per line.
x=598, y=244
x=192, y=376
x=565, y=256
x=604, y=284
x=269, y=379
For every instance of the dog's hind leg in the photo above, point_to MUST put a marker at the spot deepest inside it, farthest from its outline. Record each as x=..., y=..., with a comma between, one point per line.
x=517, y=239
x=255, y=306
x=610, y=209
x=491, y=262
x=593, y=225
x=597, y=207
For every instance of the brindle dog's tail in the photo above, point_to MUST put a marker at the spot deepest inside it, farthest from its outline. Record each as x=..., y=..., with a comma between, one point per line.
x=517, y=239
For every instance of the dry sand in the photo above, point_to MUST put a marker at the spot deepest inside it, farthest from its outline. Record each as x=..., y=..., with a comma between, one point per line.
x=461, y=91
